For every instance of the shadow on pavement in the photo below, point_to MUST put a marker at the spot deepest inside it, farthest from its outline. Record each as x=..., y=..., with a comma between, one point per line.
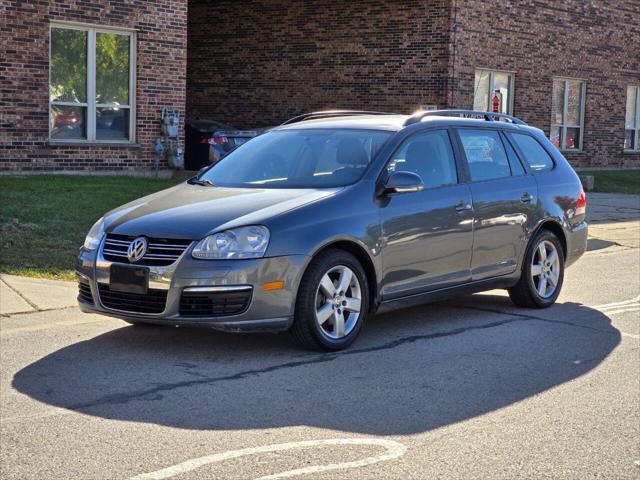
x=597, y=244
x=411, y=371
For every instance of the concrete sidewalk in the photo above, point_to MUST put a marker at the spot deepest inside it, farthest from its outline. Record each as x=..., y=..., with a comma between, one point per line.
x=614, y=218
x=22, y=294
x=614, y=221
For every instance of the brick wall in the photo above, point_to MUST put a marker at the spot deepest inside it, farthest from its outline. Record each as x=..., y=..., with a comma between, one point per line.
x=263, y=61
x=24, y=73
x=268, y=60
x=260, y=61
x=595, y=41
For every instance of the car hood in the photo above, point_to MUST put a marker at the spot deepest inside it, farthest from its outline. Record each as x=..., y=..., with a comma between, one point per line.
x=193, y=211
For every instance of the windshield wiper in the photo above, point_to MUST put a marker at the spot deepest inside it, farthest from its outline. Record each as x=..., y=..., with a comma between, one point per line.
x=199, y=181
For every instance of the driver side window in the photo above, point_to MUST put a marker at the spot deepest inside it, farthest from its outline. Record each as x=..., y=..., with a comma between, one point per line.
x=428, y=154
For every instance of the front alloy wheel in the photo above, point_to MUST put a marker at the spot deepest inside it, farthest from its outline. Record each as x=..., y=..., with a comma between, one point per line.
x=338, y=302
x=332, y=302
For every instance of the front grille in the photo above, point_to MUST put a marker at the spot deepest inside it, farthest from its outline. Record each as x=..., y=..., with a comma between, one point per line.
x=84, y=293
x=153, y=301
x=160, y=252
x=208, y=304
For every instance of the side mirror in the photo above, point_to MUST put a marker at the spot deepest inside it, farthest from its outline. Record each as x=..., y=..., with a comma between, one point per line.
x=402, y=182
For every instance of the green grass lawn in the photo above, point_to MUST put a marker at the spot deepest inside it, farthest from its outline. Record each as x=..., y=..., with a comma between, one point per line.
x=44, y=219
x=616, y=181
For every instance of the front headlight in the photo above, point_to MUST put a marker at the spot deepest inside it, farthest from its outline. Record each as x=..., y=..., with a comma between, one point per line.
x=95, y=235
x=243, y=242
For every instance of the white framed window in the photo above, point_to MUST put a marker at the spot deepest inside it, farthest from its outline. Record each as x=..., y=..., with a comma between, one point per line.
x=493, y=91
x=567, y=113
x=632, y=120
x=91, y=84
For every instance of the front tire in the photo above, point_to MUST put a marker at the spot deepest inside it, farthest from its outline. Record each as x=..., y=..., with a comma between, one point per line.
x=542, y=273
x=332, y=302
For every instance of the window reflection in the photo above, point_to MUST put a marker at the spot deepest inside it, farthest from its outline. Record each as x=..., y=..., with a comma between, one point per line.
x=68, y=122
x=112, y=123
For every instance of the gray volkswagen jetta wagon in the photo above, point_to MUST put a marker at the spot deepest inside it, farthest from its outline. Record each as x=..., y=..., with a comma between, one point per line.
x=315, y=225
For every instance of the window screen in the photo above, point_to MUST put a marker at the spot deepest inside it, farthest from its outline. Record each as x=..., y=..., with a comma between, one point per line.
x=567, y=112
x=632, y=119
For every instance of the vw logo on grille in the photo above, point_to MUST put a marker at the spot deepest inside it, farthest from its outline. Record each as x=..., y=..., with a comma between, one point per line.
x=137, y=249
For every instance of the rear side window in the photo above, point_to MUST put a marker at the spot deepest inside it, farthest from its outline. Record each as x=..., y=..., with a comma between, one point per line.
x=485, y=154
x=429, y=155
x=536, y=156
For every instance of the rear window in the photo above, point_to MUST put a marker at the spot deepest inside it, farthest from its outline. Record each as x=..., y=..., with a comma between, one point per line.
x=536, y=156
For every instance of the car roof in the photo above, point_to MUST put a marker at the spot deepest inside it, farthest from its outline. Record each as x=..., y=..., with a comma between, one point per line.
x=394, y=122
x=372, y=122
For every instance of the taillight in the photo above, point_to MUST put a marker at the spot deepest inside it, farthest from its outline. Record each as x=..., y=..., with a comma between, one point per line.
x=581, y=204
x=218, y=139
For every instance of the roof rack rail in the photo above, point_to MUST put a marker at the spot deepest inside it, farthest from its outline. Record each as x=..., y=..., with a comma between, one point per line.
x=488, y=116
x=329, y=114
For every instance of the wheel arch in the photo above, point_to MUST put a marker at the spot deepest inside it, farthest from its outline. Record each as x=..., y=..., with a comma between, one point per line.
x=363, y=256
x=556, y=228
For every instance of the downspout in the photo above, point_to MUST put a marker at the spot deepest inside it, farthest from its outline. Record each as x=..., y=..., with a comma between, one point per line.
x=452, y=54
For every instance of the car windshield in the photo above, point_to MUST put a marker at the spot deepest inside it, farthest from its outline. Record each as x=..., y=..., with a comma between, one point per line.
x=298, y=158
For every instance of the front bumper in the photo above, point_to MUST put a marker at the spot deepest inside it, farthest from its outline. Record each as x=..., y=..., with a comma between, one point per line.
x=267, y=310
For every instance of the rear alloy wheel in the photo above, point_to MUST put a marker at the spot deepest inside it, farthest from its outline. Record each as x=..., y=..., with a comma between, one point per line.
x=542, y=273
x=332, y=302
x=545, y=269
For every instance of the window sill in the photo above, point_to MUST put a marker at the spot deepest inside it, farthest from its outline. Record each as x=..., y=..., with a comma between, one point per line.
x=71, y=143
x=570, y=150
x=631, y=152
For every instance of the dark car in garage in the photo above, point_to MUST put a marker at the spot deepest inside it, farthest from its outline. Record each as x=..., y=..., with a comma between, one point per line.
x=207, y=141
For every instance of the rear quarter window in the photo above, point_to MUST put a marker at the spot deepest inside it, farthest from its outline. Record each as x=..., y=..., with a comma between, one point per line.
x=534, y=154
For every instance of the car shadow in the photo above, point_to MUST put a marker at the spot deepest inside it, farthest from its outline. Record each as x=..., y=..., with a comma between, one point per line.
x=411, y=371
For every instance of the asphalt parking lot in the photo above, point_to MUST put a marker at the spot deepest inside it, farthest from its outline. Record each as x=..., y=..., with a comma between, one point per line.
x=469, y=388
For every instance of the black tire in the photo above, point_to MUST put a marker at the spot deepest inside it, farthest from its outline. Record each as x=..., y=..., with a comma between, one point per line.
x=305, y=329
x=524, y=293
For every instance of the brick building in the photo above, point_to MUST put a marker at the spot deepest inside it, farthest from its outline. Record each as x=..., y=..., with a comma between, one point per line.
x=68, y=73
x=570, y=68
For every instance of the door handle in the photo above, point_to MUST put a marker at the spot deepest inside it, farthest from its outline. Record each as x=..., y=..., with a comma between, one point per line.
x=462, y=206
x=526, y=197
